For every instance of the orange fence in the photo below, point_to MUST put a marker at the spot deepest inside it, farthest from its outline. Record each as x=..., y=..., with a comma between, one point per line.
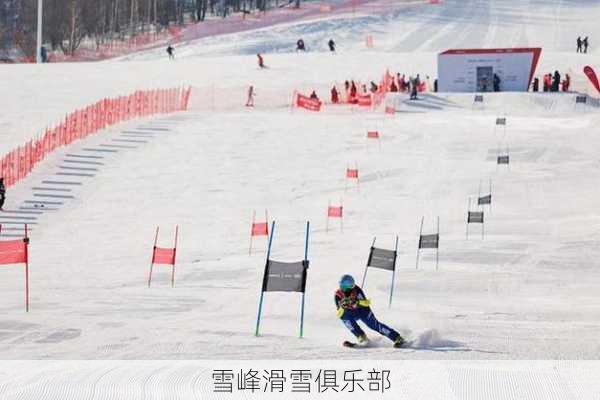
x=18, y=163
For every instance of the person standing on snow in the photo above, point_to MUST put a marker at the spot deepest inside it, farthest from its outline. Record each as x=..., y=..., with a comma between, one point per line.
x=556, y=82
x=2, y=193
x=261, y=62
x=496, y=83
x=331, y=45
x=335, y=97
x=585, y=44
x=251, y=94
x=300, y=45
x=536, y=84
x=353, y=306
x=171, y=52
x=579, y=44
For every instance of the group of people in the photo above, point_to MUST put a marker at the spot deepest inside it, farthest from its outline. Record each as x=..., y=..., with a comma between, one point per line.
x=582, y=44
x=552, y=83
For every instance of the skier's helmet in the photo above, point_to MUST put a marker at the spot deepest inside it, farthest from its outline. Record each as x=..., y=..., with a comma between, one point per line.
x=346, y=282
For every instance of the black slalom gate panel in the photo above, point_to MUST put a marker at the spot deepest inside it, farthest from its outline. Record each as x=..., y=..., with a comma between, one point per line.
x=581, y=100
x=484, y=200
x=429, y=241
x=478, y=98
x=475, y=217
x=503, y=159
x=500, y=121
x=382, y=258
x=285, y=276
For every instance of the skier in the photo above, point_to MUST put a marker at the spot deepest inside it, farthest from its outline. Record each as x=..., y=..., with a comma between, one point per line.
x=353, y=306
x=251, y=94
x=585, y=44
x=2, y=193
x=331, y=45
x=300, y=45
x=335, y=97
x=579, y=44
x=171, y=52
x=261, y=62
x=496, y=83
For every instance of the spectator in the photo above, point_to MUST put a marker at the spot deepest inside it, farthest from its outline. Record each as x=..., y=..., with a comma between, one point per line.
x=585, y=44
x=314, y=96
x=536, y=84
x=300, y=45
x=335, y=97
x=579, y=44
x=331, y=45
x=2, y=193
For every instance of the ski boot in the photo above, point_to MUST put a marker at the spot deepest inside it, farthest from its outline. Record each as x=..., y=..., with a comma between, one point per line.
x=363, y=340
x=399, y=342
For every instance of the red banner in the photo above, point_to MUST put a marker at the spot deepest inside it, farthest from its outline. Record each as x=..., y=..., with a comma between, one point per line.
x=307, y=103
x=591, y=74
x=13, y=251
x=365, y=100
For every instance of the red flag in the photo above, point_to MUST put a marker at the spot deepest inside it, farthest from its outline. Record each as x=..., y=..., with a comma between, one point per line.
x=589, y=71
x=373, y=135
x=13, y=251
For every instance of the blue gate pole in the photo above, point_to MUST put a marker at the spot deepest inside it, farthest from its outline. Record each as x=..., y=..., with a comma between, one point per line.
x=394, y=273
x=262, y=292
x=304, y=292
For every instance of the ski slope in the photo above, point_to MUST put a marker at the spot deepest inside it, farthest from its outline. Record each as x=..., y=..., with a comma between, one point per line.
x=527, y=291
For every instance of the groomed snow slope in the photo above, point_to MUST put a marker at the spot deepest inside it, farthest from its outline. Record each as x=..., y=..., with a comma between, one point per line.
x=529, y=290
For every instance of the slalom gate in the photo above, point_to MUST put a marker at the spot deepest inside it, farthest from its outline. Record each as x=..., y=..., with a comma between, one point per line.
x=352, y=175
x=475, y=217
x=429, y=241
x=284, y=277
x=17, y=252
x=258, y=228
x=18, y=163
x=164, y=256
x=335, y=212
x=382, y=259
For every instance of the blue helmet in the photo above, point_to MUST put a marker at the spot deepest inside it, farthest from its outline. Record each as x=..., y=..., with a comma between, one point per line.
x=347, y=282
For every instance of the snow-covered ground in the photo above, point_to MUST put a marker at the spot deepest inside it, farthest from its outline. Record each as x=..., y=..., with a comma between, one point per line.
x=528, y=290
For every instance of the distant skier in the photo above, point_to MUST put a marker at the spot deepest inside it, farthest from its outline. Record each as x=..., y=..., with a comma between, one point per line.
x=579, y=44
x=496, y=83
x=251, y=94
x=2, y=193
x=353, y=306
x=331, y=45
x=585, y=44
x=171, y=52
x=300, y=45
x=261, y=62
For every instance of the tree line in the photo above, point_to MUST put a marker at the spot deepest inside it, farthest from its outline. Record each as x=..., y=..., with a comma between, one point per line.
x=67, y=23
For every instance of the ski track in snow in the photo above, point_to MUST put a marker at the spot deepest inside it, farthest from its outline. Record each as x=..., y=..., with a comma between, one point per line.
x=517, y=294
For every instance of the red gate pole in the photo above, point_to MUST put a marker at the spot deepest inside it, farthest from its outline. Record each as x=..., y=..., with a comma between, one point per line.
x=174, y=254
x=153, y=252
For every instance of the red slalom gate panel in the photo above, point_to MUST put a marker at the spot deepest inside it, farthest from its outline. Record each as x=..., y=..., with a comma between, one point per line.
x=373, y=134
x=17, y=252
x=335, y=211
x=260, y=229
x=164, y=256
x=18, y=163
x=352, y=173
